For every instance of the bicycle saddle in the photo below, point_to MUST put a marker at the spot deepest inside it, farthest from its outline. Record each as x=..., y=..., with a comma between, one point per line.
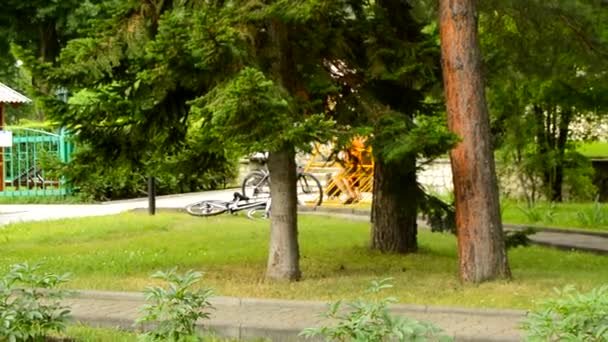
x=239, y=197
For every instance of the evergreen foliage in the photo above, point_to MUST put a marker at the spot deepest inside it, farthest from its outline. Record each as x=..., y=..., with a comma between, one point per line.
x=545, y=63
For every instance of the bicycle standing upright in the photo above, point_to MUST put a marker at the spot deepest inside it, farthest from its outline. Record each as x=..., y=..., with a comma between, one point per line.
x=256, y=185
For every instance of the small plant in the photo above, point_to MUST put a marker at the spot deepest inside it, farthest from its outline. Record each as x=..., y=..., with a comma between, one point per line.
x=371, y=321
x=549, y=214
x=518, y=238
x=175, y=310
x=30, y=305
x=596, y=216
x=533, y=214
x=574, y=316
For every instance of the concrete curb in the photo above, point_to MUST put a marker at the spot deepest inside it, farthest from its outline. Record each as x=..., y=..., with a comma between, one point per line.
x=555, y=230
x=567, y=247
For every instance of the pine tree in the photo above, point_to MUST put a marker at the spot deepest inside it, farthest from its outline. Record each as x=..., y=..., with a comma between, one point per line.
x=481, y=247
x=391, y=77
x=255, y=76
x=545, y=63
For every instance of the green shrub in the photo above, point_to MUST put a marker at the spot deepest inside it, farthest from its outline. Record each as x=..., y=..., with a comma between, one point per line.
x=533, y=214
x=573, y=316
x=517, y=238
x=30, y=305
x=175, y=310
x=595, y=216
x=578, y=178
x=370, y=321
x=93, y=177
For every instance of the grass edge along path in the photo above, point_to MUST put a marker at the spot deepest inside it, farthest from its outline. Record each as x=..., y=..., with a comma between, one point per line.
x=120, y=252
x=585, y=216
x=84, y=333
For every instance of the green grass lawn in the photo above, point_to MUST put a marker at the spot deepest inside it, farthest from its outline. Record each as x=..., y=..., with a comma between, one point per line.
x=82, y=333
x=120, y=252
x=586, y=216
x=595, y=149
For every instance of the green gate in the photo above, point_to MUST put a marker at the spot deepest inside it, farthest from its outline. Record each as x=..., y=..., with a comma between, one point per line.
x=24, y=162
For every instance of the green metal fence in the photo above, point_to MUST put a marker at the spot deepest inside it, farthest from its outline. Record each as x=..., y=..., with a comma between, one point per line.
x=25, y=161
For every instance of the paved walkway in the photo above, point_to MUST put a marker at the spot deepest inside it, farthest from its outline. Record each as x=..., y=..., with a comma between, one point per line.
x=282, y=320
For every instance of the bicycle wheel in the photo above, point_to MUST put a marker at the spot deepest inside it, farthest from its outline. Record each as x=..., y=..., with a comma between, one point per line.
x=256, y=185
x=207, y=208
x=310, y=192
x=257, y=213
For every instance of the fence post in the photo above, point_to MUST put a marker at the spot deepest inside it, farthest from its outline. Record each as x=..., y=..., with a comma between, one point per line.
x=62, y=147
x=151, y=195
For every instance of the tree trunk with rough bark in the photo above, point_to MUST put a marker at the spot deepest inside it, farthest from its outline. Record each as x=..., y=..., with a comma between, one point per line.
x=560, y=148
x=394, y=207
x=49, y=41
x=481, y=247
x=49, y=50
x=284, y=253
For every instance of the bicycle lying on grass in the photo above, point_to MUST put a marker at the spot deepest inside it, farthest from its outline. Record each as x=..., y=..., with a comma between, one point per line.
x=256, y=208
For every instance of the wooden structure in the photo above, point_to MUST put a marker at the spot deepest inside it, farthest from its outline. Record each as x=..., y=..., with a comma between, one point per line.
x=333, y=170
x=7, y=96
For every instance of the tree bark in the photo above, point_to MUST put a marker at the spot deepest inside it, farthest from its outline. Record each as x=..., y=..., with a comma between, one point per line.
x=543, y=144
x=394, y=207
x=284, y=254
x=49, y=41
x=481, y=246
x=552, y=137
x=560, y=146
x=48, y=50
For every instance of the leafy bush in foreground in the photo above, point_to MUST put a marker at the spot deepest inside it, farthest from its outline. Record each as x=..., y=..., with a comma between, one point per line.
x=175, y=309
x=30, y=305
x=573, y=316
x=371, y=321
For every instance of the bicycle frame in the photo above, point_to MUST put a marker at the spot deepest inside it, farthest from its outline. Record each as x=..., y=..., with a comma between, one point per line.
x=236, y=205
x=257, y=184
x=266, y=177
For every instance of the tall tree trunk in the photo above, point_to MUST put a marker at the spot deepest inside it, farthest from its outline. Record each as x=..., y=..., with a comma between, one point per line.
x=394, y=207
x=49, y=41
x=561, y=142
x=552, y=129
x=542, y=118
x=284, y=253
x=557, y=182
x=48, y=50
x=481, y=247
